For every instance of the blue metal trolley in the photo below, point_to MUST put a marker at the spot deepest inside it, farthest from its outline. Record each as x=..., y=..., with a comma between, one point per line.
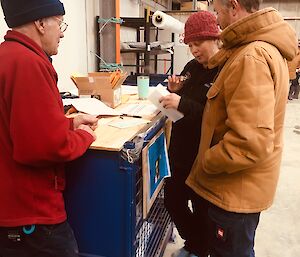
x=104, y=202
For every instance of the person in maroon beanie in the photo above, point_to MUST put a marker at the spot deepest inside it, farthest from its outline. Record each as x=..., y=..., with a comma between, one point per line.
x=188, y=95
x=35, y=136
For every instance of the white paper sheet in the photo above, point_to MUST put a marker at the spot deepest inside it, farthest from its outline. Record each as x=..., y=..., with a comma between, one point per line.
x=154, y=97
x=126, y=123
x=91, y=106
x=140, y=109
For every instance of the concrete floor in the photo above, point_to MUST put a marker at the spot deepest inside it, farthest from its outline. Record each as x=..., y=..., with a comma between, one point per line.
x=278, y=231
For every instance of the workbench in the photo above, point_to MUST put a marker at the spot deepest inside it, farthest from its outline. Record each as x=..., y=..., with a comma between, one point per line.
x=105, y=194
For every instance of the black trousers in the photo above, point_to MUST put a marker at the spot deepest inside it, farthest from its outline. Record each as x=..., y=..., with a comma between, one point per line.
x=45, y=241
x=294, y=88
x=229, y=234
x=192, y=228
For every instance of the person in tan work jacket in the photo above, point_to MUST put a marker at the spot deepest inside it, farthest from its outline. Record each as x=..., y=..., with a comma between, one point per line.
x=293, y=66
x=237, y=167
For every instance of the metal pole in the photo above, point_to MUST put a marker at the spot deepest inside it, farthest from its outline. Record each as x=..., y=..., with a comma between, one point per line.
x=194, y=5
x=108, y=35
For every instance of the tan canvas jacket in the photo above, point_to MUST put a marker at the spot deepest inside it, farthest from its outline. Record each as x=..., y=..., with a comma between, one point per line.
x=238, y=163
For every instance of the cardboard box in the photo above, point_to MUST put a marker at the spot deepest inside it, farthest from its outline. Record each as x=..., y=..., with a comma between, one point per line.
x=105, y=85
x=188, y=6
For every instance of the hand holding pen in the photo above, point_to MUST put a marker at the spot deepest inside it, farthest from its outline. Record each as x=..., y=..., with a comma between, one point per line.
x=175, y=83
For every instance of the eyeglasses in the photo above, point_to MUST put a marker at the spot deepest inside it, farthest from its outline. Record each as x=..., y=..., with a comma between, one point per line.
x=62, y=25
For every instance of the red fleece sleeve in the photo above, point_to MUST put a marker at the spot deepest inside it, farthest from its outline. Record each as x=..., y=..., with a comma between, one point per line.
x=71, y=123
x=40, y=132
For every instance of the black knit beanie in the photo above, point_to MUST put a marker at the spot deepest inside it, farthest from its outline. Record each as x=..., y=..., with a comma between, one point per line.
x=20, y=12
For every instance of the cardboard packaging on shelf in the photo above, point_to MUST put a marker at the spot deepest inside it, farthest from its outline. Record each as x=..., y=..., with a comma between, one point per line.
x=188, y=6
x=103, y=85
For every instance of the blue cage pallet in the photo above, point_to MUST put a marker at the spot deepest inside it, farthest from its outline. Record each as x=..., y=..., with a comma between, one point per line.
x=104, y=202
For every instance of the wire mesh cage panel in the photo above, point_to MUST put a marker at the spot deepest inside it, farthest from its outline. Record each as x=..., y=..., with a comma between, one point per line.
x=152, y=233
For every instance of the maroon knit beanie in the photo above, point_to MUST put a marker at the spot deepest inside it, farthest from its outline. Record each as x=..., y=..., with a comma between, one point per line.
x=201, y=26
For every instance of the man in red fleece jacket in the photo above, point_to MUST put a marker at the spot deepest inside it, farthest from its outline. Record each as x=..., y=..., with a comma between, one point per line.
x=36, y=138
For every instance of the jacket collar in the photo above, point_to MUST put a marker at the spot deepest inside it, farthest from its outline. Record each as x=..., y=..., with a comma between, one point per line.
x=16, y=36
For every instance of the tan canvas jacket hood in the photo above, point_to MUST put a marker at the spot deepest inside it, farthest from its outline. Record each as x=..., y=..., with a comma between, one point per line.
x=266, y=25
x=237, y=166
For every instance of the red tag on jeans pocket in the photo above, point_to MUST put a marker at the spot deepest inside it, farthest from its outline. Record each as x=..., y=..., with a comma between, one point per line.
x=220, y=233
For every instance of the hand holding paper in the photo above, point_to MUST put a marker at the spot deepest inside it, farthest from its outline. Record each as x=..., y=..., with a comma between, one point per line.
x=154, y=97
x=170, y=101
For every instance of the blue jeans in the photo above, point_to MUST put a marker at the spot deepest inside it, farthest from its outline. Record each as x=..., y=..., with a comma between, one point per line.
x=231, y=234
x=45, y=241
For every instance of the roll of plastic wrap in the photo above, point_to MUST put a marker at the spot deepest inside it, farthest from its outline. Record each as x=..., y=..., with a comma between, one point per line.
x=165, y=21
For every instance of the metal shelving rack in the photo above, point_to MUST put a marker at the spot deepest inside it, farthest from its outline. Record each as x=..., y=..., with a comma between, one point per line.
x=143, y=55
